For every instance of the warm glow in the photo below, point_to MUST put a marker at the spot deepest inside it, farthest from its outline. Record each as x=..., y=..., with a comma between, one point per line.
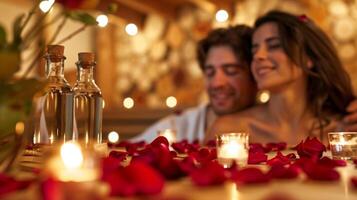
x=222, y=15
x=103, y=104
x=264, y=97
x=131, y=29
x=128, y=103
x=171, y=101
x=102, y=20
x=169, y=134
x=71, y=155
x=46, y=5
x=113, y=137
x=19, y=128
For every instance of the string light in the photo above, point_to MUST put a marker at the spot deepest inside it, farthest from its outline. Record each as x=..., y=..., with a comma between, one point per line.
x=171, y=101
x=264, y=97
x=222, y=15
x=46, y=5
x=128, y=103
x=113, y=137
x=102, y=20
x=131, y=29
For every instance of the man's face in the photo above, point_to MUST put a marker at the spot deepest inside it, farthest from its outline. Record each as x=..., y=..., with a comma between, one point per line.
x=228, y=83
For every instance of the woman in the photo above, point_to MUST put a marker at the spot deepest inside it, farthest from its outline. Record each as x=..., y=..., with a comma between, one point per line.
x=309, y=89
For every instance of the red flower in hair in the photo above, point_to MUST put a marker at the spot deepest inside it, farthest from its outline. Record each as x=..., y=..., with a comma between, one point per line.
x=303, y=18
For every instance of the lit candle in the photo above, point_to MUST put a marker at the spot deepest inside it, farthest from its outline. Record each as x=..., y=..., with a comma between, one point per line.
x=343, y=145
x=71, y=165
x=232, y=147
x=77, y=173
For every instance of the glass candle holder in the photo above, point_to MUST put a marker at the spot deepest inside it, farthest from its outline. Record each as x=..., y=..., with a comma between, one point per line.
x=343, y=145
x=169, y=134
x=232, y=147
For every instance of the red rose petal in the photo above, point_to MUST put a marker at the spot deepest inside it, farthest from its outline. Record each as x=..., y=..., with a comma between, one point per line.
x=9, y=184
x=257, y=147
x=51, y=189
x=310, y=147
x=282, y=172
x=251, y=175
x=354, y=182
x=145, y=179
x=160, y=140
x=279, y=159
x=257, y=157
x=328, y=162
x=317, y=171
x=210, y=174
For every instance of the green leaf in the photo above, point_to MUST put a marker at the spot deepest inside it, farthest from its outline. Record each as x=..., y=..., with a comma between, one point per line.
x=2, y=37
x=82, y=17
x=16, y=28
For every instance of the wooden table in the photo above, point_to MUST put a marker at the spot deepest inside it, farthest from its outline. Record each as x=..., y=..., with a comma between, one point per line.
x=295, y=189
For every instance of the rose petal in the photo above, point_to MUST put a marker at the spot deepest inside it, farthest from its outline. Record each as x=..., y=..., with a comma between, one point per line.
x=204, y=155
x=354, y=182
x=51, y=189
x=310, y=147
x=119, y=185
x=145, y=178
x=211, y=143
x=251, y=175
x=257, y=147
x=160, y=140
x=279, y=159
x=210, y=174
x=282, y=172
x=257, y=157
x=9, y=184
x=328, y=162
x=317, y=171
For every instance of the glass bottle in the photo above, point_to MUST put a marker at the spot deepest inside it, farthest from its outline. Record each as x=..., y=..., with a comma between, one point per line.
x=88, y=102
x=54, y=118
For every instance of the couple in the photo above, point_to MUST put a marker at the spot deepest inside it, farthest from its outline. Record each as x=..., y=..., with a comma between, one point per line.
x=287, y=55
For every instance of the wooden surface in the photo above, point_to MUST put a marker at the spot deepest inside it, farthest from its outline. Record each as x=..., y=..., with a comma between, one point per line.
x=295, y=189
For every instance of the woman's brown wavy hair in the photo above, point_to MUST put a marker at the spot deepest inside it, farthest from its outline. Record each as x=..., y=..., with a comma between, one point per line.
x=329, y=86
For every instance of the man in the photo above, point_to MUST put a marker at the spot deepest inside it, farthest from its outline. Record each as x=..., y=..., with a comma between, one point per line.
x=224, y=57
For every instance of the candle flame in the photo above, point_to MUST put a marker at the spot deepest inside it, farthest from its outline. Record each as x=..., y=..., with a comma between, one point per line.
x=71, y=155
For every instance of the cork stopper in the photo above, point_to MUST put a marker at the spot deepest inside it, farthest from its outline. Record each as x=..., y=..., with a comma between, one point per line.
x=86, y=57
x=57, y=50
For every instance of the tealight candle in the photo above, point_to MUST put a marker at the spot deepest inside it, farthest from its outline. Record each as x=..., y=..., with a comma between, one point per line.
x=77, y=171
x=343, y=145
x=232, y=147
x=169, y=134
x=71, y=165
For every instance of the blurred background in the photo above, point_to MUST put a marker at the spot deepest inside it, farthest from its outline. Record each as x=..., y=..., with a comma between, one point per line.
x=145, y=50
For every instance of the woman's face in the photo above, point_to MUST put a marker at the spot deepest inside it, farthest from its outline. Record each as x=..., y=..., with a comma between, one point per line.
x=271, y=67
